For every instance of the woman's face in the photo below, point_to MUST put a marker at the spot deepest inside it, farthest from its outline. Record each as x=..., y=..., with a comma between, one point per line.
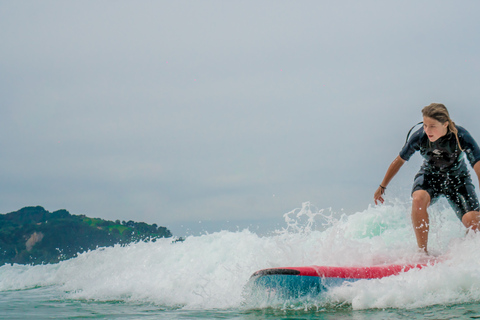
x=434, y=128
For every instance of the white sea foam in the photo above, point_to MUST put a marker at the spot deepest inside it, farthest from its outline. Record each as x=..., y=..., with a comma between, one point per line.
x=210, y=271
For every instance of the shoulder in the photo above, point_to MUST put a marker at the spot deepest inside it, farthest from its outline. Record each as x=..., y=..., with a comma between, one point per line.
x=462, y=131
x=467, y=141
x=417, y=136
x=463, y=134
x=469, y=145
x=414, y=143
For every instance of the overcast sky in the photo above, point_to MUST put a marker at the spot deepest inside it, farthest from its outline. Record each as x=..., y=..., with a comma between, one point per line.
x=175, y=112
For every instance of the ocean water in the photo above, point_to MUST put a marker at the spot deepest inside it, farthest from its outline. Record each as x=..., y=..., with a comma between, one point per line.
x=204, y=276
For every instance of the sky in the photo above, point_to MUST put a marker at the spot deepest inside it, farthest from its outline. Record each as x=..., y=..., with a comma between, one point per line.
x=219, y=114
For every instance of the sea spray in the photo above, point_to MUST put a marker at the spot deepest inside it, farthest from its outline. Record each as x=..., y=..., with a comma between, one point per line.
x=210, y=271
x=451, y=278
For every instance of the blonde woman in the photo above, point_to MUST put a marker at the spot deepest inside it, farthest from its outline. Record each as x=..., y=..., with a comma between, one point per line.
x=444, y=171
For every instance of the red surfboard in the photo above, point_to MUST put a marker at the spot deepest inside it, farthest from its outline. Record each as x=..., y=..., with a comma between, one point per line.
x=312, y=280
x=370, y=272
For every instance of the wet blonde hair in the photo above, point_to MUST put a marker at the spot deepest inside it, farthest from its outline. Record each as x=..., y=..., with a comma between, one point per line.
x=440, y=113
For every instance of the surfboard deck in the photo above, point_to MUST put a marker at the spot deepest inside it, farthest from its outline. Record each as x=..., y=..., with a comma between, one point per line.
x=294, y=282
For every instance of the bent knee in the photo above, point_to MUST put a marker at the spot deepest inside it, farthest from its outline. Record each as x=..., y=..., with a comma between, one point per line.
x=421, y=199
x=471, y=219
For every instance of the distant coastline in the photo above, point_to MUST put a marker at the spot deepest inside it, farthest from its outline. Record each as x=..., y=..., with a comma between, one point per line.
x=33, y=235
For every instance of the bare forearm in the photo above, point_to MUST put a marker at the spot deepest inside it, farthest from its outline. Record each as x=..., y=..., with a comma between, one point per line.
x=391, y=172
x=394, y=168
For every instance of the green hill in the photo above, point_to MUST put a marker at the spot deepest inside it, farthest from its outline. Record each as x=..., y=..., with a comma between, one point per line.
x=33, y=235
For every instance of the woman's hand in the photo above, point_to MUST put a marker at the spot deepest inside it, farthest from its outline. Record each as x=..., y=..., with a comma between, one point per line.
x=377, y=196
x=396, y=164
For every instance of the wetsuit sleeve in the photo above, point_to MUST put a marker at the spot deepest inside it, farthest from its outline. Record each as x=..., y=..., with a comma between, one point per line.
x=412, y=145
x=469, y=146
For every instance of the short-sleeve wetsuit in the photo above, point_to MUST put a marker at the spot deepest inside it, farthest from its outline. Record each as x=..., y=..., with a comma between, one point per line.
x=444, y=172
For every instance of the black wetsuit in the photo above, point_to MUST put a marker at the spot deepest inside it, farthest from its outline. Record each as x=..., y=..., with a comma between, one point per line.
x=444, y=172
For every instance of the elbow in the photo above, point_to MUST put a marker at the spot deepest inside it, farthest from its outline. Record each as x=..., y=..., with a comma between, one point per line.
x=400, y=160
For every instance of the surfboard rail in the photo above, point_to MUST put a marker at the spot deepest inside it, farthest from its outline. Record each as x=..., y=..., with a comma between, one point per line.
x=288, y=282
x=360, y=272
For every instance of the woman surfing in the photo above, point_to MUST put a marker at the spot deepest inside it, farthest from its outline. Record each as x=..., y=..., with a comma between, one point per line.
x=444, y=171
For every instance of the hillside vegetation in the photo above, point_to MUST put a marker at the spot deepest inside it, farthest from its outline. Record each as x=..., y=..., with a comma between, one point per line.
x=33, y=235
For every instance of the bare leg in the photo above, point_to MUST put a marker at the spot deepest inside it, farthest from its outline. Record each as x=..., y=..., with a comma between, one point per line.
x=471, y=220
x=421, y=200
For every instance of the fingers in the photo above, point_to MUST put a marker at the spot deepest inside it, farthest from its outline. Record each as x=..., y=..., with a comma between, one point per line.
x=378, y=197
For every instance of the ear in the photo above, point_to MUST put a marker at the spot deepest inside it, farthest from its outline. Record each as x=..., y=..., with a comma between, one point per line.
x=445, y=125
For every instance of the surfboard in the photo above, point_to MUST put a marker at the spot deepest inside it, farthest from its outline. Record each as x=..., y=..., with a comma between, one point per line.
x=292, y=282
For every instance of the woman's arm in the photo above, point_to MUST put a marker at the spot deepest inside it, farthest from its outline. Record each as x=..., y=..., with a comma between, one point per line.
x=391, y=172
